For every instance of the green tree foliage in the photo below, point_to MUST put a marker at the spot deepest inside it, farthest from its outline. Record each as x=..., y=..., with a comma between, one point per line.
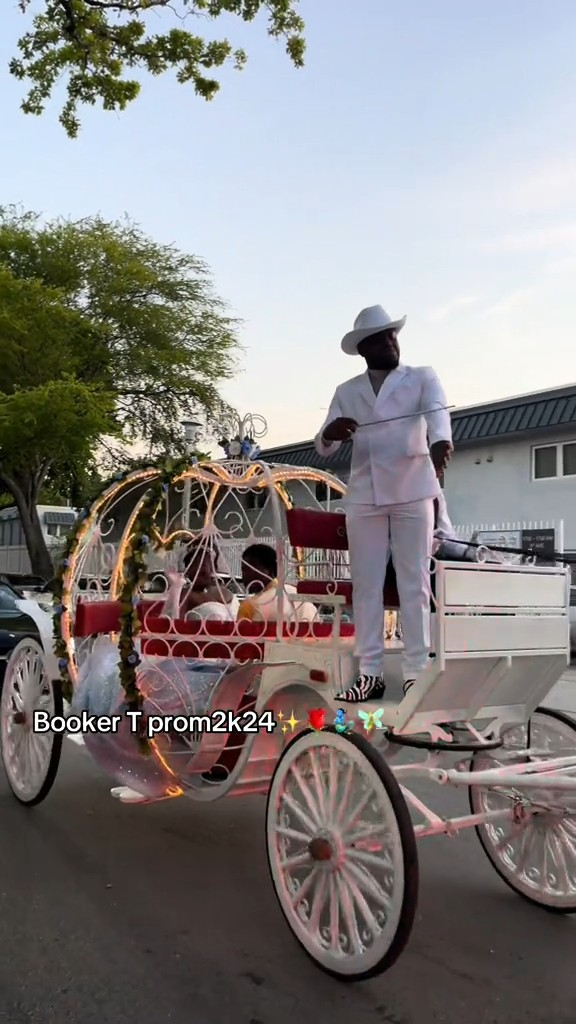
x=107, y=338
x=98, y=47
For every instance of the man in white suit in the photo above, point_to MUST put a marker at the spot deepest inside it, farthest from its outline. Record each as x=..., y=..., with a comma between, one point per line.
x=391, y=492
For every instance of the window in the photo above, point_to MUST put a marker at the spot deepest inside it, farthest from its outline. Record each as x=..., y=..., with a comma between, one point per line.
x=322, y=493
x=569, y=459
x=550, y=461
x=7, y=599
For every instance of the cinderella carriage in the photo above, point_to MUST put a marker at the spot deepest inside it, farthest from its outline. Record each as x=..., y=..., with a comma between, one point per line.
x=205, y=706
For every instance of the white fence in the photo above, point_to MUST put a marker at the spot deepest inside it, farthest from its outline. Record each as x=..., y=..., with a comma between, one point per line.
x=320, y=564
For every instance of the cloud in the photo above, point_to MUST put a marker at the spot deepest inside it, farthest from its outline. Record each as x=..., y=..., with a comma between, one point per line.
x=549, y=185
x=444, y=312
x=554, y=236
x=511, y=303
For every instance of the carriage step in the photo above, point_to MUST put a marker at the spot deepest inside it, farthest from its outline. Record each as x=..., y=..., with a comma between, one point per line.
x=128, y=796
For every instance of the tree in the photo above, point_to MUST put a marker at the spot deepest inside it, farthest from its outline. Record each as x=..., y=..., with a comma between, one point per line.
x=98, y=46
x=107, y=340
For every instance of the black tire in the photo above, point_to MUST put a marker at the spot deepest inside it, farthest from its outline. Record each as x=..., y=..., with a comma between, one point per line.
x=400, y=815
x=569, y=907
x=55, y=739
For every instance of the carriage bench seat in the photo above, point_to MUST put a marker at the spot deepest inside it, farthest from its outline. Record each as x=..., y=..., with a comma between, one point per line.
x=196, y=638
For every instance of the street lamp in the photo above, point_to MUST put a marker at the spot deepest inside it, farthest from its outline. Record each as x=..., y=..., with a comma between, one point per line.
x=191, y=428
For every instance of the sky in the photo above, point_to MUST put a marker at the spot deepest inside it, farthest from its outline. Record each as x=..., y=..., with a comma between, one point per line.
x=423, y=159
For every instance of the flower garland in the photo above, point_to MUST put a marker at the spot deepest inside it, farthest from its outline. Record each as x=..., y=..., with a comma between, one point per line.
x=134, y=570
x=134, y=574
x=61, y=596
x=238, y=447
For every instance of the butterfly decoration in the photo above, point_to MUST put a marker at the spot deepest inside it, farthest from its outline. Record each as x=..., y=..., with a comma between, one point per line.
x=372, y=719
x=340, y=723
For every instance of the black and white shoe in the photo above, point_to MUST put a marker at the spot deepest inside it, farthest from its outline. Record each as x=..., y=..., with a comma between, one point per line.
x=408, y=685
x=365, y=688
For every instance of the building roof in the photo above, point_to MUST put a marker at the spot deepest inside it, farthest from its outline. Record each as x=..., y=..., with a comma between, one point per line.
x=505, y=420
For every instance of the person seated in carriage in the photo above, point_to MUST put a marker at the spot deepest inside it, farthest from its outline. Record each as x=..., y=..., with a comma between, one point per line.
x=260, y=579
x=197, y=592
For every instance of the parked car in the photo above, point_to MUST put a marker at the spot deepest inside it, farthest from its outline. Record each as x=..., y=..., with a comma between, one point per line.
x=21, y=618
x=573, y=620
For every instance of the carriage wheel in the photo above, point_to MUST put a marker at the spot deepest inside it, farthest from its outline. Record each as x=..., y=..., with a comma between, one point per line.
x=342, y=853
x=30, y=759
x=535, y=855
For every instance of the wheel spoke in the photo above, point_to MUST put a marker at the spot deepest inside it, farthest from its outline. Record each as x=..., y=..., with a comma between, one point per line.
x=297, y=860
x=334, y=915
x=318, y=902
x=372, y=859
x=300, y=813
x=348, y=912
x=367, y=832
x=322, y=807
x=346, y=791
x=361, y=903
x=305, y=887
x=292, y=833
x=305, y=790
x=369, y=884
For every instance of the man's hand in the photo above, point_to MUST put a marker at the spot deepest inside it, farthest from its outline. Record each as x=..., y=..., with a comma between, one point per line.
x=440, y=453
x=340, y=429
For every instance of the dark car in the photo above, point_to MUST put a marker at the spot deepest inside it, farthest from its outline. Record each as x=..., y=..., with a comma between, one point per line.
x=15, y=623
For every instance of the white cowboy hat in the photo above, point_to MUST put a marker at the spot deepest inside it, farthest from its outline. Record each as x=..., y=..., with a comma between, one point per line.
x=369, y=321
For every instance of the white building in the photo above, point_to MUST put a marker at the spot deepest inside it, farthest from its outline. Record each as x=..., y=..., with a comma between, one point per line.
x=514, y=466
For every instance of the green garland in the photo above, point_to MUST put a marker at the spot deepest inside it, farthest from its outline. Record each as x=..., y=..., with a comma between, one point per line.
x=60, y=596
x=134, y=570
x=134, y=574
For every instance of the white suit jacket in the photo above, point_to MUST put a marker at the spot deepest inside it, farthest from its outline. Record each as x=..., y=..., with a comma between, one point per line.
x=391, y=462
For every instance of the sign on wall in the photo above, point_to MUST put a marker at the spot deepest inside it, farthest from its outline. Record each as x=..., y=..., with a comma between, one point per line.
x=542, y=542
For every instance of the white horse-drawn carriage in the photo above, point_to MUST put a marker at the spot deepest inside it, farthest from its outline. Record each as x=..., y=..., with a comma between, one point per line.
x=248, y=706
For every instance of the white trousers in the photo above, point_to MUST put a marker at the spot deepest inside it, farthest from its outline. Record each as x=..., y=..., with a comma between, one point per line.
x=406, y=533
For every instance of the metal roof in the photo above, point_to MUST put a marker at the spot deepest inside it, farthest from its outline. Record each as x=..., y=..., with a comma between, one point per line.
x=59, y=518
x=507, y=419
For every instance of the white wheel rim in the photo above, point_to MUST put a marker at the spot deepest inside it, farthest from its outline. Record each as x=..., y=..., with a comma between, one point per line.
x=26, y=689
x=344, y=910
x=537, y=854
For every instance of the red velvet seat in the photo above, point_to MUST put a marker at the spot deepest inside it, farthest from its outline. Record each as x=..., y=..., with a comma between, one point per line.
x=326, y=531
x=192, y=638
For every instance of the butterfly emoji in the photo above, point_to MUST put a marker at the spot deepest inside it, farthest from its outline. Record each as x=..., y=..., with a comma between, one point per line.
x=372, y=719
x=340, y=723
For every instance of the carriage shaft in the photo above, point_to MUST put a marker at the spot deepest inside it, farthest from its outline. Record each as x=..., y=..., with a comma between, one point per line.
x=451, y=826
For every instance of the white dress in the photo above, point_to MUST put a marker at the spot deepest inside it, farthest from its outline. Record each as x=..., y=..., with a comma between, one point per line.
x=214, y=610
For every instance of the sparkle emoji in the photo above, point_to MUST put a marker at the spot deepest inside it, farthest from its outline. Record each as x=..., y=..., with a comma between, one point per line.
x=292, y=722
x=340, y=723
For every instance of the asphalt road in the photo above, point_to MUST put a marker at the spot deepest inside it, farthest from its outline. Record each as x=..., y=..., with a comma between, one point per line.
x=165, y=915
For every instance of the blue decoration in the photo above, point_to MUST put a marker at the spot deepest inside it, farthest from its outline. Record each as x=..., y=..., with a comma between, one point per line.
x=133, y=659
x=66, y=563
x=144, y=539
x=245, y=448
x=58, y=609
x=340, y=723
x=62, y=663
